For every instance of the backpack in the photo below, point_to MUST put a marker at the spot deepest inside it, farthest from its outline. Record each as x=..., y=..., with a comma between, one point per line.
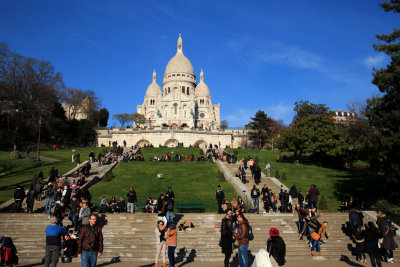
x=8, y=252
x=250, y=234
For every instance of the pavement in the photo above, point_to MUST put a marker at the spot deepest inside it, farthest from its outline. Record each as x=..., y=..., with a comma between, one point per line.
x=312, y=263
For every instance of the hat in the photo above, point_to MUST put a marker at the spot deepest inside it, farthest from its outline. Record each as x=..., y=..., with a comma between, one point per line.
x=273, y=231
x=229, y=212
x=58, y=202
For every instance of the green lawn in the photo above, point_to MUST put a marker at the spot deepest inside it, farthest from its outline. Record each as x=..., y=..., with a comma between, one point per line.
x=21, y=171
x=150, y=152
x=192, y=182
x=334, y=184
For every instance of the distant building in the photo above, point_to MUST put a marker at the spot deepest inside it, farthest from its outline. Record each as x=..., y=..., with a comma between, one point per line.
x=178, y=113
x=182, y=102
x=78, y=112
x=343, y=117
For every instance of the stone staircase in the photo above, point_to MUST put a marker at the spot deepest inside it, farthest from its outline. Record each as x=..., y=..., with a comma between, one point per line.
x=96, y=173
x=244, y=190
x=131, y=238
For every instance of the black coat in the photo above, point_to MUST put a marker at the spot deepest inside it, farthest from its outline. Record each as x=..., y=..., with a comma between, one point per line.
x=371, y=242
x=131, y=196
x=355, y=218
x=19, y=193
x=226, y=236
x=276, y=248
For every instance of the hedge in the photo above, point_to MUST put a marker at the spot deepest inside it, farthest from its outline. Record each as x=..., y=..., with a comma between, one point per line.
x=392, y=211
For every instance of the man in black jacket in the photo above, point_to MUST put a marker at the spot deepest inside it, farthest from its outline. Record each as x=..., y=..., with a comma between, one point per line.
x=220, y=196
x=282, y=199
x=130, y=208
x=294, y=194
x=255, y=194
x=19, y=196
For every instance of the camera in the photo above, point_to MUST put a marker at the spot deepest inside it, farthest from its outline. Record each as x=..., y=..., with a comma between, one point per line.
x=93, y=245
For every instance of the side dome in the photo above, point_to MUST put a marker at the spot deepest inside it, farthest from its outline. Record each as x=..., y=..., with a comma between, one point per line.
x=202, y=88
x=154, y=89
x=179, y=63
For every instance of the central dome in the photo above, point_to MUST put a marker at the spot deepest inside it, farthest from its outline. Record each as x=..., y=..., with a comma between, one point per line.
x=179, y=63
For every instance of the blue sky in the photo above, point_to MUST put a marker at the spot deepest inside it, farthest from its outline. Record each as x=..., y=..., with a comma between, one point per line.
x=255, y=54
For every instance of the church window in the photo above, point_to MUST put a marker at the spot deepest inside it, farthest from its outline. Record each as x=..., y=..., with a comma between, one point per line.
x=169, y=76
x=183, y=75
x=178, y=74
x=169, y=90
x=187, y=90
x=175, y=108
x=173, y=75
x=183, y=89
x=208, y=103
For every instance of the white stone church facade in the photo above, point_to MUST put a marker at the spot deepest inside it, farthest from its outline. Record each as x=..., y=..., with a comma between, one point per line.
x=178, y=113
x=181, y=102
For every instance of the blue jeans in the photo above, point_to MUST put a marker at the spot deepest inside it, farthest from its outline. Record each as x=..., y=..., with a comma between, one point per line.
x=256, y=205
x=74, y=219
x=170, y=216
x=89, y=259
x=171, y=256
x=47, y=207
x=315, y=244
x=243, y=257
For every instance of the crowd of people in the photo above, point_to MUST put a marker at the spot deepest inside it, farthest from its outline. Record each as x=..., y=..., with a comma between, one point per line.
x=236, y=233
x=375, y=239
x=83, y=238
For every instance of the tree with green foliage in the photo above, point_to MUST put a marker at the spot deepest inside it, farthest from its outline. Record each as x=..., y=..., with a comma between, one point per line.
x=260, y=129
x=224, y=125
x=139, y=119
x=313, y=132
x=123, y=118
x=383, y=112
x=101, y=117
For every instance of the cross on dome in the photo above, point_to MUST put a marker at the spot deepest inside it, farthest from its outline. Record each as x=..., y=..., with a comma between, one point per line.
x=201, y=75
x=180, y=45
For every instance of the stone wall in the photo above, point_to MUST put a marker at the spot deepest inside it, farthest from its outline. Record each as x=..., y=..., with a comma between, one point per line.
x=171, y=137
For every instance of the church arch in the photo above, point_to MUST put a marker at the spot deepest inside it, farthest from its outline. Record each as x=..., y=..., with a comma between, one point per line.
x=142, y=143
x=171, y=143
x=201, y=143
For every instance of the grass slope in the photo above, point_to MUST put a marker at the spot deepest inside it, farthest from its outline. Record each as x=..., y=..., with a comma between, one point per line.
x=334, y=184
x=150, y=152
x=21, y=171
x=192, y=182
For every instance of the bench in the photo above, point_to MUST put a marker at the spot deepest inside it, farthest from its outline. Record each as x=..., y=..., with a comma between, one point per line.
x=142, y=207
x=190, y=207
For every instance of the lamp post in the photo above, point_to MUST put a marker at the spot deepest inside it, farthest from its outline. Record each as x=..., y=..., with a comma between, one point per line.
x=38, y=145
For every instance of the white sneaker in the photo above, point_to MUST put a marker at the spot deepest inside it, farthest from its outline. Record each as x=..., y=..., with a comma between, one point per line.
x=390, y=260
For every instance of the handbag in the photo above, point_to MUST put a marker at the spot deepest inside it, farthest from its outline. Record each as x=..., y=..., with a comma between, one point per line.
x=315, y=236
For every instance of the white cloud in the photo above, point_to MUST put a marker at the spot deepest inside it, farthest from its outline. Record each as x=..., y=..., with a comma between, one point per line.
x=281, y=112
x=374, y=61
x=293, y=56
x=241, y=116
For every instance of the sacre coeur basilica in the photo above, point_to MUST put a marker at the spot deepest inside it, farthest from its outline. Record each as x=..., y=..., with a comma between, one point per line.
x=180, y=113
